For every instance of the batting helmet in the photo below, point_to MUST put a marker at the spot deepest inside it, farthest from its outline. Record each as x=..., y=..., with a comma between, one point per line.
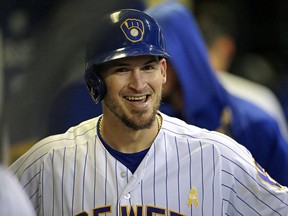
x=124, y=33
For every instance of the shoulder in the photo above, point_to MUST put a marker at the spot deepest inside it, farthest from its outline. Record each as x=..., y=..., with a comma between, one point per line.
x=77, y=135
x=235, y=160
x=179, y=129
x=202, y=140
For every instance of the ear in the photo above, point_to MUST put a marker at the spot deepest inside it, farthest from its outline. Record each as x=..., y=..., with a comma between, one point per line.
x=163, y=67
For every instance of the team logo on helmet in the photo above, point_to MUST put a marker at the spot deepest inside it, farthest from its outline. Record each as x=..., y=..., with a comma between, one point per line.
x=133, y=29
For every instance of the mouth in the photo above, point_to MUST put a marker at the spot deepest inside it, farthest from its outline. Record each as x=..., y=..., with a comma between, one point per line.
x=143, y=98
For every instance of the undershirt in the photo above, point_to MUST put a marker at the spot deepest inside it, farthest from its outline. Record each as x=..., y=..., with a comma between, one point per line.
x=130, y=160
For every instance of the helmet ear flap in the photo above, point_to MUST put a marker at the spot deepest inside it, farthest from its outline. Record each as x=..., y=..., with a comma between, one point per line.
x=95, y=85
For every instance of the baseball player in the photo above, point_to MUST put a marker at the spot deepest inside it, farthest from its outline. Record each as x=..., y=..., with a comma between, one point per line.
x=134, y=160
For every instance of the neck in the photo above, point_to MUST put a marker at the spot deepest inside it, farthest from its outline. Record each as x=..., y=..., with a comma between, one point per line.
x=123, y=139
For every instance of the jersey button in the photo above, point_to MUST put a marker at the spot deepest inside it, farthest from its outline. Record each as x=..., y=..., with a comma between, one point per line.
x=127, y=196
x=123, y=174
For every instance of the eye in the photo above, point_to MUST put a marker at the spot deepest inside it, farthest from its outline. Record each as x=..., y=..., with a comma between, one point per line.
x=149, y=67
x=121, y=70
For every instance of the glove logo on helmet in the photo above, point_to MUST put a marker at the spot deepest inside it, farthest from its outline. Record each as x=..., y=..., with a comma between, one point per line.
x=133, y=29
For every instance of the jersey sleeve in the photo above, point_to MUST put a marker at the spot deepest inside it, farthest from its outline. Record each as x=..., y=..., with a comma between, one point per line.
x=247, y=189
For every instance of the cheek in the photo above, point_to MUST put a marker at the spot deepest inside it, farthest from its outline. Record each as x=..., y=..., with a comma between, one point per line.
x=160, y=85
x=112, y=86
x=157, y=81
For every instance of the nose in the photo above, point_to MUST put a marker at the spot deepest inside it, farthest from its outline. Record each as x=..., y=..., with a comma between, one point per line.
x=137, y=80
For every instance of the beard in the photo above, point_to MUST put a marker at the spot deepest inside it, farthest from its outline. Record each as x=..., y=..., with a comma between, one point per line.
x=138, y=121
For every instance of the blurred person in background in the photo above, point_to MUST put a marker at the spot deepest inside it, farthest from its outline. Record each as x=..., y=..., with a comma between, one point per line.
x=13, y=199
x=193, y=93
x=219, y=28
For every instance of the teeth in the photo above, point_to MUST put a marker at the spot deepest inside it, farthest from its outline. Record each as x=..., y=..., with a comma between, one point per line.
x=136, y=98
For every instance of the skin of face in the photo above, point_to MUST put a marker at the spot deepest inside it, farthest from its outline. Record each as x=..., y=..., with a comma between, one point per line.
x=134, y=88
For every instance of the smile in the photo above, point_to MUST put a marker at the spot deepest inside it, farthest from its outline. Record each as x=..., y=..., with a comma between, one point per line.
x=134, y=98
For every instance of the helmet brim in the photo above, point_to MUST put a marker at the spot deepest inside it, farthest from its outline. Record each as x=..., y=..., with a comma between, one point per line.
x=130, y=51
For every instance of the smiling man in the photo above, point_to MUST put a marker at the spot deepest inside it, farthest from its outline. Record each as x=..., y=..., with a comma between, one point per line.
x=133, y=159
x=134, y=90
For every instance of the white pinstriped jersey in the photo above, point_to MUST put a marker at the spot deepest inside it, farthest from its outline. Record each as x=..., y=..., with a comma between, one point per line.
x=187, y=171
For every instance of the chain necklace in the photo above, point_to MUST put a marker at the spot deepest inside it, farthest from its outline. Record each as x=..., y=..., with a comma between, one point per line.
x=159, y=122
